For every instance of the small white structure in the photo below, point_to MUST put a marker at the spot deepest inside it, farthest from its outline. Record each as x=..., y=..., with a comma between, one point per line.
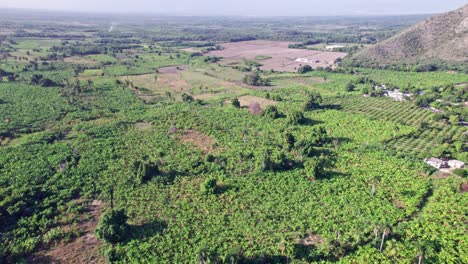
x=456, y=164
x=333, y=47
x=305, y=60
x=397, y=95
x=436, y=163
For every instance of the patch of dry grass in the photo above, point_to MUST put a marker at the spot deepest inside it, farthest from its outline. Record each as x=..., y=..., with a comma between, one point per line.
x=199, y=140
x=247, y=100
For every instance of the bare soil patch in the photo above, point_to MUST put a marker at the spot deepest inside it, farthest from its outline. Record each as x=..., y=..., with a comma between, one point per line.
x=282, y=57
x=145, y=80
x=173, y=82
x=83, y=249
x=398, y=203
x=444, y=173
x=247, y=100
x=229, y=84
x=440, y=175
x=199, y=140
x=172, y=69
x=311, y=240
x=464, y=187
x=143, y=126
x=4, y=141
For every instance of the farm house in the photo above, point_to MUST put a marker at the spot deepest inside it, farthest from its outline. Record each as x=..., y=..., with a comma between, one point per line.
x=436, y=163
x=397, y=95
x=456, y=164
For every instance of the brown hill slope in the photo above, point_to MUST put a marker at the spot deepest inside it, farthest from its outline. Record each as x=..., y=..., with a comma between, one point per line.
x=442, y=38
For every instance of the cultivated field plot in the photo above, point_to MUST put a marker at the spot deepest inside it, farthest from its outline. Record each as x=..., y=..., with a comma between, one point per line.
x=282, y=57
x=204, y=83
x=419, y=143
x=383, y=109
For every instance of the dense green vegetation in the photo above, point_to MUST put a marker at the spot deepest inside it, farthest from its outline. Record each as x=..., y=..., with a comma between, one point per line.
x=207, y=163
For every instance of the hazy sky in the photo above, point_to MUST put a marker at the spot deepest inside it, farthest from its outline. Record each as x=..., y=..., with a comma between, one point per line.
x=245, y=7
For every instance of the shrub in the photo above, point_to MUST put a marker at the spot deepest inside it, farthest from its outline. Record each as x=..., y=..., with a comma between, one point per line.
x=113, y=227
x=350, y=87
x=310, y=168
x=271, y=112
x=53, y=234
x=236, y=103
x=111, y=255
x=295, y=118
x=255, y=79
x=461, y=172
x=206, y=256
x=187, y=98
x=454, y=120
x=314, y=167
x=365, y=90
x=318, y=136
x=313, y=101
x=423, y=101
x=277, y=97
x=289, y=140
x=145, y=171
x=235, y=255
x=305, y=69
x=208, y=186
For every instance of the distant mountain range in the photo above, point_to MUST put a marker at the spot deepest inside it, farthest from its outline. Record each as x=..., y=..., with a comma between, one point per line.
x=439, y=39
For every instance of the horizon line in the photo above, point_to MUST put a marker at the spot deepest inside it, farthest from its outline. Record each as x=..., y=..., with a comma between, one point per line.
x=186, y=14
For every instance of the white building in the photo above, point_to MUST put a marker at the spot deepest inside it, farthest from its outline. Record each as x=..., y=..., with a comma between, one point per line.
x=436, y=163
x=456, y=164
x=333, y=47
x=397, y=95
x=305, y=60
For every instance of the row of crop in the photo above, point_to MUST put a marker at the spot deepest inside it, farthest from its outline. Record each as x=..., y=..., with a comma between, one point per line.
x=383, y=108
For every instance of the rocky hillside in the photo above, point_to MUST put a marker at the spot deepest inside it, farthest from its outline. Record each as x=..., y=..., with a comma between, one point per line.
x=442, y=38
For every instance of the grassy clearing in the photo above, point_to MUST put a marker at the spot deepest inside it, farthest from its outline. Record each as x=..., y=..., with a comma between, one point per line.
x=36, y=43
x=247, y=100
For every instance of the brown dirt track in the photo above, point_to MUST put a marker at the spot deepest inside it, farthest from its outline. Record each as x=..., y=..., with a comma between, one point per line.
x=283, y=58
